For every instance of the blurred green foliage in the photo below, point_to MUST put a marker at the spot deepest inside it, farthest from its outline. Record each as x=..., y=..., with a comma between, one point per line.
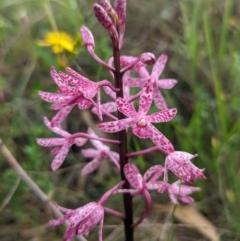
x=201, y=38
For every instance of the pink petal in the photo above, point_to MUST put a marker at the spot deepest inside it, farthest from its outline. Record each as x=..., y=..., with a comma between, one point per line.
x=159, y=66
x=91, y=166
x=142, y=132
x=158, y=99
x=77, y=79
x=166, y=83
x=98, y=144
x=179, y=163
x=60, y=157
x=70, y=233
x=53, y=97
x=83, y=103
x=109, y=92
x=131, y=173
x=50, y=141
x=56, y=129
x=162, y=116
x=154, y=172
x=109, y=107
x=61, y=115
x=115, y=126
x=126, y=108
x=91, y=220
x=57, y=79
x=59, y=221
x=68, y=90
x=85, y=86
x=82, y=213
x=55, y=151
x=135, y=82
x=90, y=152
x=161, y=141
x=114, y=157
x=146, y=98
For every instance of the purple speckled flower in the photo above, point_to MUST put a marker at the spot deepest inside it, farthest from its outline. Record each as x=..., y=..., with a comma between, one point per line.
x=62, y=145
x=142, y=184
x=178, y=190
x=83, y=219
x=99, y=154
x=153, y=78
x=140, y=121
x=179, y=163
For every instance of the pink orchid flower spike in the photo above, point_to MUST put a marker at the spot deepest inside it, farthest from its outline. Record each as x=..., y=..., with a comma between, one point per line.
x=178, y=190
x=62, y=145
x=141, y=184
x=83, y=219
x=99, y=154
x=141, y=122
x=179, y=163
x=154, y=79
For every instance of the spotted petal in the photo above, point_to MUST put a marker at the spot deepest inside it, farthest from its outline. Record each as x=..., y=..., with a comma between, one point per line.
x=56, y=129
x=115, y=126
x=159, y=66
x=162, y=116
x=91, y=166
x=161, y=141
x=179, y=163
x=142, y=132
x=57, y=79
x=61, y=155
x=48, y=142
x=61, y=115
x=146, y=99
x=90, y=152
x=131, y=172
x=166, y=83
x=126, y=108
x=159, y=100
x=153, y=173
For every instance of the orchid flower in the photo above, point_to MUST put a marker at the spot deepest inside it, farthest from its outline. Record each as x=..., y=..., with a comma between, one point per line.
x=73, y=90
x=179, y=163
x=177, y=190
x=99, y=154
x=153, y=78
x=141, y=184
x=83, y=219
x=140, y=121
x=62, y=145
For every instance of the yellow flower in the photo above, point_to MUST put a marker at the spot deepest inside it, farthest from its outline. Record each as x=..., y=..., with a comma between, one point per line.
x=59, y=41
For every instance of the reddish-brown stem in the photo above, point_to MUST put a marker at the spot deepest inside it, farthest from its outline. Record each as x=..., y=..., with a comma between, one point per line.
x=137, y=153
x=127, y=199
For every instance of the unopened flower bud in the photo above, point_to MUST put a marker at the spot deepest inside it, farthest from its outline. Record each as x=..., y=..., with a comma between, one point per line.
x=148, y=58
x=106, y=5
x=102, y=17
x=87, y=37
x=120, y=8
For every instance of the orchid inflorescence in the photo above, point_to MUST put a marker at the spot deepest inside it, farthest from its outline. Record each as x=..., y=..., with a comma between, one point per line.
x=77, y=90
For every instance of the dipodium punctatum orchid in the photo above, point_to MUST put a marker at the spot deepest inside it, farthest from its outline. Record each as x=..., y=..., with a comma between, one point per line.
x=99, y=154
x=77, y=90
